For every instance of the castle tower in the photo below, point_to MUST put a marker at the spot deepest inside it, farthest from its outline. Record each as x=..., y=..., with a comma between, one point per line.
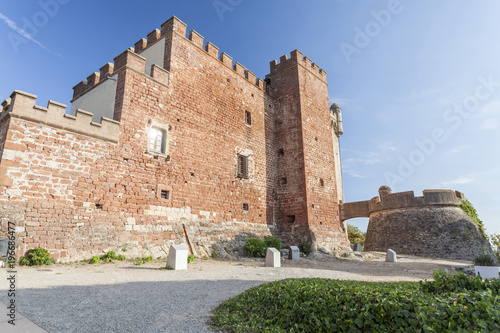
x=309, y=187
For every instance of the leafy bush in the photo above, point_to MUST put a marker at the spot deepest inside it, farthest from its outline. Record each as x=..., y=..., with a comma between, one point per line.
x=191, y=258
x=305, y=248
x=471, y=211
x=147, y=259
x=355, y=235
x=484, y=260
x=139, y=261
x=271, y=241
x=94, y=260
x=214, y=255
x=255, y=247
x=121, y=257
x=323, y=305
x=109, y=257
x=37, y=256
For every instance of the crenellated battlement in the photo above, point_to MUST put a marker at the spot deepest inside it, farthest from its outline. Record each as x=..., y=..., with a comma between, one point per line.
x=388, y=201
x=22, y=105
x=172, y=25
x=296, y=57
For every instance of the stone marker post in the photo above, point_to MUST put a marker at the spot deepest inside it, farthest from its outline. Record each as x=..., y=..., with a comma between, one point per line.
x=273, y=257
x=357, y=247
x=294, y=253
x=177, y=257
x=391, y=256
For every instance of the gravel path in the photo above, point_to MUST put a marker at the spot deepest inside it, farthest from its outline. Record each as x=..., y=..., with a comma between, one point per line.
x=122, y=297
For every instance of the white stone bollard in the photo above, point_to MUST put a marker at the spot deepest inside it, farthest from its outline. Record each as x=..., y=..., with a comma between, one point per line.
x=357, y=247
x=177, y=257
x=294, y=253
x=273, y=257
x=391, y=256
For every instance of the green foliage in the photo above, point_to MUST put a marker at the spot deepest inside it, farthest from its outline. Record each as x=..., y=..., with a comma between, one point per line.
x=305, y=248
x=214, y=255
x=451, y=303
x=471, y=211
x=255, y=247
x=121, y=257
x=355, y=235
x=191, y=258
x=94, y=260
x=484, y=260
x=109, y=257
x=139, y=261
x=36, y=257
x=271, y=241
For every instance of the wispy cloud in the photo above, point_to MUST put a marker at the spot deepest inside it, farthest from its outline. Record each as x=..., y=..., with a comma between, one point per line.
x=24, y=34
x=459, y=180
x=490, y=124
x=458, y=149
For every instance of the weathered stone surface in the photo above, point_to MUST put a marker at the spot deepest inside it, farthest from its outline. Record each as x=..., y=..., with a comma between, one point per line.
x=177, y=257
x=441, y=232
x=273, y=257
x=391, y=256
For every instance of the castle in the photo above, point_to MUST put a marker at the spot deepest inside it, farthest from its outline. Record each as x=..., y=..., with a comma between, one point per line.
x=174, y=143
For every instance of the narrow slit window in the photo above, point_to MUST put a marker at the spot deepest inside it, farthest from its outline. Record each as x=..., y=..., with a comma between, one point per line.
x=248, y=118
x=281, y=152
x=290, y=219
x=157, y=140
x=245, y=206
x=242, y=166
x=321, y=182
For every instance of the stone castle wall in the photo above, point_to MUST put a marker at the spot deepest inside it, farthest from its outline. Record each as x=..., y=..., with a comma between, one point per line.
x=79, y=187
x=430, y=225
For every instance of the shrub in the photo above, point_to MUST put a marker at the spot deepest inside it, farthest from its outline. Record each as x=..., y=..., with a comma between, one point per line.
x=495, y=242
x=271, y=241
x=109, y=257
x=214, y=255
x=37, y=256
x=255, y=247
x=484, y=260
x=121, y=257
x=355, y=235
x=305, y=248
x=147, y=259
x=94, y=260
x=191, y=258
x=324, y=305
x=471, y=211
x=138, y=261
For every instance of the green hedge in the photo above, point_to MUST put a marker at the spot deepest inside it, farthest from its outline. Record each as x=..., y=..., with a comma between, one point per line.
x=459, y=303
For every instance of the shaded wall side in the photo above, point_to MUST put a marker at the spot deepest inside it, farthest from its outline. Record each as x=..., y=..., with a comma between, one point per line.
x=320, y=164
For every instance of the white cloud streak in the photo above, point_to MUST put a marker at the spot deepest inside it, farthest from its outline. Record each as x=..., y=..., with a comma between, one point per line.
x=24, y=34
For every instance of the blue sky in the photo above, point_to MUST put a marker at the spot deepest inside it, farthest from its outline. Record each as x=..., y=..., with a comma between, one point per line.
x=418, y=81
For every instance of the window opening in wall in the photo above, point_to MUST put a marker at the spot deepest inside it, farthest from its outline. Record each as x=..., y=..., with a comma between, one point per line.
x=242, y=166
x=321, y=182
x=98, y=206
x=245, y=206
x=157, y=140
x=290, y=218
x=281, y=152
x=165, y=194
x=248, y=118
x=284, y=180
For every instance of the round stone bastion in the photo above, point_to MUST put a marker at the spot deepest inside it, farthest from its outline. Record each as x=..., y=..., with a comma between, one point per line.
x=432, y=225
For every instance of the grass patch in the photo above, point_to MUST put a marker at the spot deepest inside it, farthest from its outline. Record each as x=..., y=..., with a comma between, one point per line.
x=451, y=303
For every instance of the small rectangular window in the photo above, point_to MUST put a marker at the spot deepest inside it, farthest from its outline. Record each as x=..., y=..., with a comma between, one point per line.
x=281, y=152
x=165, y=194
x=284, y=180
x=242, y=166
x=290, y=218
x=248, y=118
x=157, y=140
x=321, y=182
x=245, y=206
